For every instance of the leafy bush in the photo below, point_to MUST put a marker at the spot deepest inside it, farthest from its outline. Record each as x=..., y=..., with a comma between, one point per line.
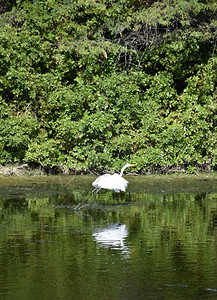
x=91, y=85
x=43, y=151
x=16, y=134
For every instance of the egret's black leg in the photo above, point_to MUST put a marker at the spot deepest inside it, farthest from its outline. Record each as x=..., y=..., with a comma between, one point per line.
x=94, y=199
x=80, y=204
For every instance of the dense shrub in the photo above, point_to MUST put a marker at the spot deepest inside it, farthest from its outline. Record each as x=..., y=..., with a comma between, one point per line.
x=91, y=85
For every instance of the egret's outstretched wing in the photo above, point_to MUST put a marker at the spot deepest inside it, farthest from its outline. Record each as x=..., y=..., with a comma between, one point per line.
x=111, y=182
x=101, y=181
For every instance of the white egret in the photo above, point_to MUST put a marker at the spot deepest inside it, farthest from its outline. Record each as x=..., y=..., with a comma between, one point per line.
x=113, y=182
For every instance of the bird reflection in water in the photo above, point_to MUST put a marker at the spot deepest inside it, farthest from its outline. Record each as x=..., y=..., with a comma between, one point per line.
x=114, y=236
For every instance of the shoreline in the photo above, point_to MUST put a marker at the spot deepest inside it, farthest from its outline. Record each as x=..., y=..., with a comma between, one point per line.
x=29, y=169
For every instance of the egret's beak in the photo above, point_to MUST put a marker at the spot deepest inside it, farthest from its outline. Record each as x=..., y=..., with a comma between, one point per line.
x=132, y=165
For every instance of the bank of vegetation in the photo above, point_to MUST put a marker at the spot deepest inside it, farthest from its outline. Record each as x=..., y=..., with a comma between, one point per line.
x=89, y=85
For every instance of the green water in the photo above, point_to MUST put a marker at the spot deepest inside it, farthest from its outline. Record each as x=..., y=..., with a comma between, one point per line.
x=158, y=240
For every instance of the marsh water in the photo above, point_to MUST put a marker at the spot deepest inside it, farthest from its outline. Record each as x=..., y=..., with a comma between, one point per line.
x=158, y=240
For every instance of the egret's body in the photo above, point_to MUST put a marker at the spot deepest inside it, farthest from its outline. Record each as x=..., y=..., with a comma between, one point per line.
x=113, y=182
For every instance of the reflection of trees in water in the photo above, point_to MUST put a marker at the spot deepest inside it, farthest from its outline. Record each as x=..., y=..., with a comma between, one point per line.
x=159, y=233
x=162, y=219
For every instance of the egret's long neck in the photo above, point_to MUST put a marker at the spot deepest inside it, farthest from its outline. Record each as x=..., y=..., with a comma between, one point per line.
x=122, y=170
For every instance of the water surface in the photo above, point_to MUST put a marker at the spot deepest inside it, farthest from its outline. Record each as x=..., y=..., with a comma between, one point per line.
x=158, y=240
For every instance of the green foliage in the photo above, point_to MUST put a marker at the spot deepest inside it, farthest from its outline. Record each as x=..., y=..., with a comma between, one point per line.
x=91, y=85
x=16, y=134
x=43, y=151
